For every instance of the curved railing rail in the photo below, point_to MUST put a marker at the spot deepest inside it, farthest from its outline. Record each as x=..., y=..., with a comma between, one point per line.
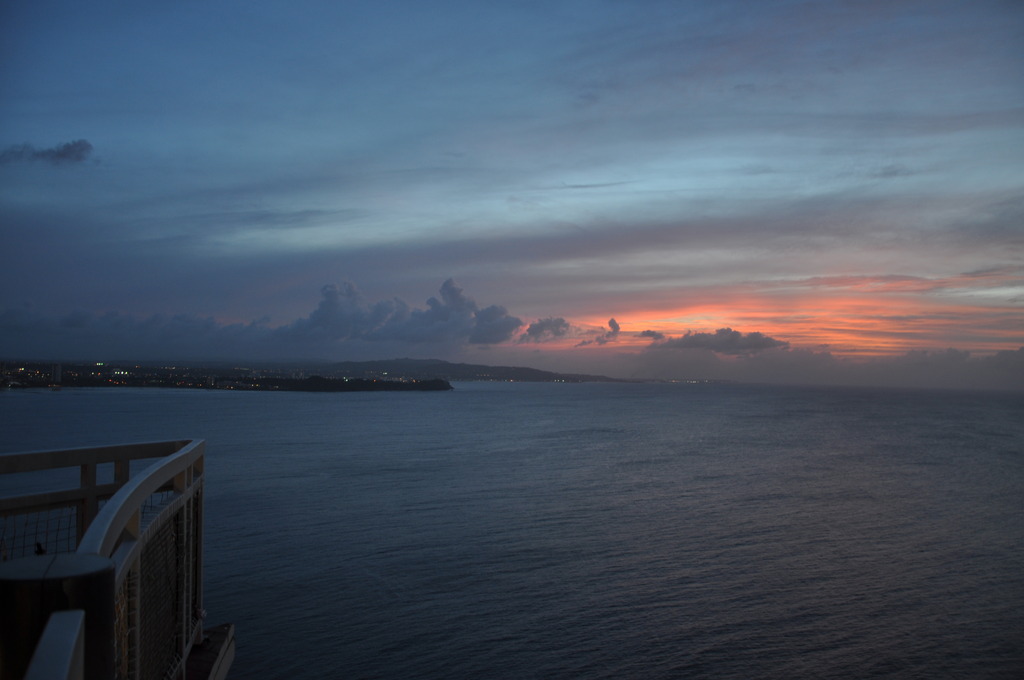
x=148, y=527
x=121, y=517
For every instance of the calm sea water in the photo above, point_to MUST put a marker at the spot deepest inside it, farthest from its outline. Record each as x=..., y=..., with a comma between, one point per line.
x=594, y=530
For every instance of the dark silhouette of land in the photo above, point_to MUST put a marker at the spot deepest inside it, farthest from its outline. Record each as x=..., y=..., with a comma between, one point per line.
x=348, y=376
x=318, y=383
x=428, y=368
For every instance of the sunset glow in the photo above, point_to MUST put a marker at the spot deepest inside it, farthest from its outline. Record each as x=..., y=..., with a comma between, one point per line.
x=575, y=184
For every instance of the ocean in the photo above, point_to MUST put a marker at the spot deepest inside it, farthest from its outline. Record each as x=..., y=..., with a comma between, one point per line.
x=595, y=530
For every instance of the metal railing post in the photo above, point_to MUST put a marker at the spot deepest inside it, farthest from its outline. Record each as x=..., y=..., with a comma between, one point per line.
x=60, y=654
x=33, y=588
x=139, y=552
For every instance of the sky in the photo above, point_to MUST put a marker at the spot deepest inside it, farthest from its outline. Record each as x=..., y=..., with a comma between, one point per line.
x=806, y=191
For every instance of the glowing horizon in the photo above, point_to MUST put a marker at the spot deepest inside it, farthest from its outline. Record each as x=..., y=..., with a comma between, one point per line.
x=429, y=181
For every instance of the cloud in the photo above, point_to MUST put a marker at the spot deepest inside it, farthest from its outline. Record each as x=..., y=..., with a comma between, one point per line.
x=545, y=330
x=941, y=369
x=344, y=315
x=892, y=170
x=1009, y=364
x=86, y=336
x=611, y=335
x=493, y=325
x=948, y=368
x=343, y=325
x=594, y=185
x=70, y=152
x=654, y=335
x=722, y=341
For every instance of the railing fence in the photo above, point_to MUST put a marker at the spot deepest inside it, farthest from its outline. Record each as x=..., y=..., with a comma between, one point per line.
x=147, y=527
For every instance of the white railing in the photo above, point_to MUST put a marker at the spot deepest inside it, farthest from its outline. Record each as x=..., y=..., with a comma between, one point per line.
x=137, y=540
x=60, y=653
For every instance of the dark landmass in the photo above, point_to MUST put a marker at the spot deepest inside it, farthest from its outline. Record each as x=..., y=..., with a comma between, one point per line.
x=427, y=368
x=349, y=376
x=318, y=383
x=111, y=375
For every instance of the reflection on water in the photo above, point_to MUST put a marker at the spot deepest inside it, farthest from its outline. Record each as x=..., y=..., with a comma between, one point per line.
x=595, y=530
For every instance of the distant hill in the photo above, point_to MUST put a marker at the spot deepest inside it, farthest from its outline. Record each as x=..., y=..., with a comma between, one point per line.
x=424, y=369
x=209, y=374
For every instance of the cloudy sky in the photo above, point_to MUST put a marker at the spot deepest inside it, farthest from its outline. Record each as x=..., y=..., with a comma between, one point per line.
x=802, y=190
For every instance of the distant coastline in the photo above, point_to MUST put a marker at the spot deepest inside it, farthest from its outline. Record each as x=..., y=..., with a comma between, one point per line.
x=318, y=383
x=361, y=376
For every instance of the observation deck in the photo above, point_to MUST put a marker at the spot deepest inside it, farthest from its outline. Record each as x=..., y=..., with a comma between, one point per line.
x=103, y=579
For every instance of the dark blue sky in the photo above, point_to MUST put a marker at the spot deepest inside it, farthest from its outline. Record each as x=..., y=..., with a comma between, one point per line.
x=299, y=179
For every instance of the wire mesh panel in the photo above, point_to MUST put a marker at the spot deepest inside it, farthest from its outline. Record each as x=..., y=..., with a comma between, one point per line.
x=160, y=601
x=196, y=591
x=125, y=627
x=40, y=532
x=151, y=527
x=155, y=503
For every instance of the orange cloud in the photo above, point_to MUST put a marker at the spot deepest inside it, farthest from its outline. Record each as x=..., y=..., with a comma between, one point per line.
x=852, y=315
